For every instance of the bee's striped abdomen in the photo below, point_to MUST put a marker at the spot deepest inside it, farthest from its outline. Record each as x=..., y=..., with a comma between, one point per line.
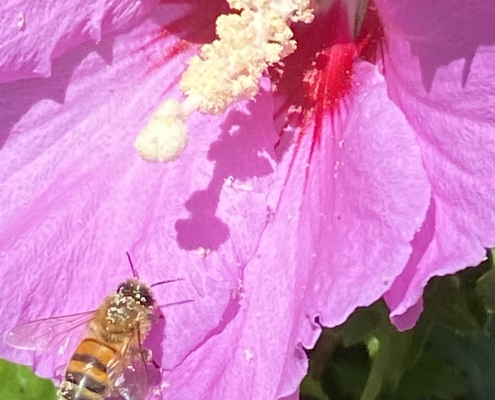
x=87, y=376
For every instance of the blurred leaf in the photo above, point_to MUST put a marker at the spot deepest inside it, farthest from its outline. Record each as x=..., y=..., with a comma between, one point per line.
x=346, y=373
x=397, y=352
x=475, y=354
x=452, y=301
x=18, y=382
x=321, y=353
x=311, y=389
x=433, y=377
x=485, y=286
x=361, y=324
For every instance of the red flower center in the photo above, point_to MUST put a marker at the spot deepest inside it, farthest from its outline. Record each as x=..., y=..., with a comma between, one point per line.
x=317, y=78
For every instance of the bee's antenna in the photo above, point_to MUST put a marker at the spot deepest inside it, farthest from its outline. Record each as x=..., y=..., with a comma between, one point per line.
x=175, y=303
x=134, y=272
x=167, y=281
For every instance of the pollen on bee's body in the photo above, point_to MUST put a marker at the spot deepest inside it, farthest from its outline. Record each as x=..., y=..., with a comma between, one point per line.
x=255, y=36
x=248, y=354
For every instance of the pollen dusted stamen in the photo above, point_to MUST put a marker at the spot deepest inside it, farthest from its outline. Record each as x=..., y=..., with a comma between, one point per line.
x=226, y=71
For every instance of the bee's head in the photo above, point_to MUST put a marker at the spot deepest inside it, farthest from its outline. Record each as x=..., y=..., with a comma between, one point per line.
x=138, y=291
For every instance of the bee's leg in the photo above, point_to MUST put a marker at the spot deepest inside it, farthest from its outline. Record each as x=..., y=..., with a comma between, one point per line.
x=122, y=392
x=155, y=364
x=147, y=355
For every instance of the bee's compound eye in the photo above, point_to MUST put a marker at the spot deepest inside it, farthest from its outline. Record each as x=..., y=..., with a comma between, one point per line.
x=145, y=297
x=121, y=288
x=147, y=300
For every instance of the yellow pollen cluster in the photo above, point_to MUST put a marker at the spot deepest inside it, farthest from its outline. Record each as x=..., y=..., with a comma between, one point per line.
x=228, y=70
x=164, y=138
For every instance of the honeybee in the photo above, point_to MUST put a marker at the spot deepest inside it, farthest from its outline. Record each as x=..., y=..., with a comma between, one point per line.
x=110, y=358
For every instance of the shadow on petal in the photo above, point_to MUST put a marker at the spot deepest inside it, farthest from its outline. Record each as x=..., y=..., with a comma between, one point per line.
x=198, y=24
x=18, y=97
x=441, y=32
x=238, y=154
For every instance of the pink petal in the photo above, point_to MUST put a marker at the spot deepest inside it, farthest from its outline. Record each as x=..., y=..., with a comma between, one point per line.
x=365, y=197
x=33, y=33
x=439, y=70
x=75, y=196
x=247, y=354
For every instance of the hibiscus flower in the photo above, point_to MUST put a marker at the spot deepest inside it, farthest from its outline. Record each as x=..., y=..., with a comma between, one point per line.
x=365, y=174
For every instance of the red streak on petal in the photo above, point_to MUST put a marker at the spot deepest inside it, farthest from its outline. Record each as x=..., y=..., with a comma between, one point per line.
x=317, y=78
x=170, y=52
x=328, y=29
x=328, y=80
x=331, y=81
x=190, y=31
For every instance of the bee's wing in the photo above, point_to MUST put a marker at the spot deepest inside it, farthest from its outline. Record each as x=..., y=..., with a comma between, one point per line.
x=136, y=379
x=131, y=370
x=36, y=335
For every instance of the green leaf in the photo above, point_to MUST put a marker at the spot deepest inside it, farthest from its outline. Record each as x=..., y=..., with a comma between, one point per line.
x=361, y=324
x=485, y=287
x=346, y=373
x=434, y=377
x=452, y=301
x=311, y=389
x=348, y=364
x=18, y=382
x=395, y=352
x=475, y=354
